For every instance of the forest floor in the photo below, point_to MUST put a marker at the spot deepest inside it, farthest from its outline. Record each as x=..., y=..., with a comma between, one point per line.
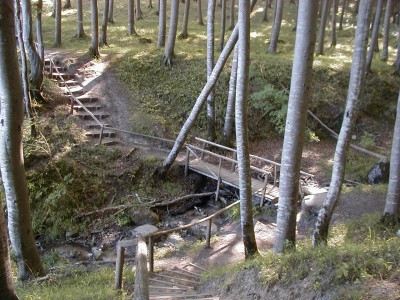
x=227, y=247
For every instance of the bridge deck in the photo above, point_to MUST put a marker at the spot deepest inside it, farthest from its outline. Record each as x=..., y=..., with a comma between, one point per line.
x=232, y=178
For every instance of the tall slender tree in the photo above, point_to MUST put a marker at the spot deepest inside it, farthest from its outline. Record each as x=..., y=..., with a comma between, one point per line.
x=373, y=45
x=321, y=34
x=57, y=29
x=131, y=18
x=296, y=124
x=104, y=24
x=111, y=12
x=344, y=3
x=94, y=44
x=276, y=28
x=223, y=23
x=80, y=32
x=67, y=4
x=335, y=4
x=242, y=138
x=386, y=31
x=199, y=13
x=162, y=23
x=265, y=14
x=39, y=33
x=11, y=154
x=138, y=10
x=184, y=33
x=397, y=63
x=173, y=26
x=210, y=65
x=357, y=76
x=232, y=15
x=391, y=214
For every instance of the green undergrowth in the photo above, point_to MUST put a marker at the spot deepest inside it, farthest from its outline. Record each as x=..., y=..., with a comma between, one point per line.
x=359, y=251
x=68, y=282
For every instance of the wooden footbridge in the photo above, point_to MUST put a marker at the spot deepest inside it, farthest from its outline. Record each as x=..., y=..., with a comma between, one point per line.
x=220, y=163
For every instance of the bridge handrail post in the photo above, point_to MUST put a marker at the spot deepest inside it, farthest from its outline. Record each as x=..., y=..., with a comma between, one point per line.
x=202, y=150
x=187, y=161
x=101, y=135
x=264, y=190
x=208, y=233
x=151, y=254
x=218, y=179
x=119, y=266
x=234, y=163
x=275, y=174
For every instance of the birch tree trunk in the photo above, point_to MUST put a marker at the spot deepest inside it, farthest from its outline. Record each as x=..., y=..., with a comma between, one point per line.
x=344, y=2
x=373, y=45
x=162, y=23
x=230, y=105
x=357, y=76
x=39, y=32
x=210, y=65
x=276, y=28
x=295, y=125
x=181, y=138
x=184, y=33
x=173, y=27
x=80, y=32
x=232, y=15
x=386, y=31
x=111, y=12
x=57, y=28
x=131, y=18
x=199, y=13
x=11, y=155
x=223, y=23
x=333, y=31
x=242, y=139
x=94, y=44
x=104, y=24
x=321, y=33
x=36, y=63
x=391, y=212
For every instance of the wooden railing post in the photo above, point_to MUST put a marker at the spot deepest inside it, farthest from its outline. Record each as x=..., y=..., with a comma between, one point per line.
x=219, y=179
x=101, y=135
x=264, y=190
x=233, y=163
x=142, y=275
x=151, y=254
x=208, y=233
x=119, y=266
x=202, y=152
x=275, y=174
x=187, y=161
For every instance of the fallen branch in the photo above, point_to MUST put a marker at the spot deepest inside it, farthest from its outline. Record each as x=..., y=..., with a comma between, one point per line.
x=355, y=147
x=163, y=204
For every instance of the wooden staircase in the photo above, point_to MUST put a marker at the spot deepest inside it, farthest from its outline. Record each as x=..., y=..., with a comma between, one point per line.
x=178, y=283
x=71, y=86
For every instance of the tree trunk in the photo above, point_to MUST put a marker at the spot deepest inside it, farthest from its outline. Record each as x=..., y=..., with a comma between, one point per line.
x=265, y=14
x=199, y=13
x=67, y=4
x=104, y=24
x=80, y=32
x=111, y=12
x=232, y=15
x=36, y=63
x=173, y=26
x=344, y=2
x=11, y=153
x=391, y=212
x=373, y=47
x=131, y=18
x=150, y=4
x=57, y=29
x=39, y=32
x=210, y=65
x=333, y=31
x=228, y=125
x=138, y=10
x=242, y=139
x=273, y=43
x=321, y=33
x=296, y=124
x=184, y=34
x=162, y=23
x=386, y=31
x=397, y=63
x=94, y=44
x=180, y=140
x=223, y=22
x=357, y=76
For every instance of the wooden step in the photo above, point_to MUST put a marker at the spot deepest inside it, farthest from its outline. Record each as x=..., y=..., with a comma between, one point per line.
x=86, y=116
x=68, y=83
x=74, y=90
x=185, y=273
x=86, y=99
x=94, y=125
x=47, y=61
x=183, y=296
x=55, y=69
x=177, y=278
x=65, y=76
x=90, y=106
x=109, y=141
x=96, y=133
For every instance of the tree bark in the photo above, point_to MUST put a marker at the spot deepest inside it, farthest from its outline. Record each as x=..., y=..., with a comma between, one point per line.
x=210, y=65
x=162, y=21
x=386, y=31
x=94, y=44
x=295, y=125
x=344, y=2
x=199, y=13
x=180, y=140
x=80, y=32
x=333, y=31
x=373, y=45
x=111, y=12
x=57, y=29
x=11, y=153
x=391, y=212
x=223, y=23
x=398, y=47
x=273, y=43
x=321, y=33
x=36, y=63
x=67, y=4
x=357, y=76
x=184, y=34
x=138, y=10
x=104, y=24
x=242, y=139
x=232, y=15
x=228, y=125
x=173, y=26
x=39, y=32
x=265, y=14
